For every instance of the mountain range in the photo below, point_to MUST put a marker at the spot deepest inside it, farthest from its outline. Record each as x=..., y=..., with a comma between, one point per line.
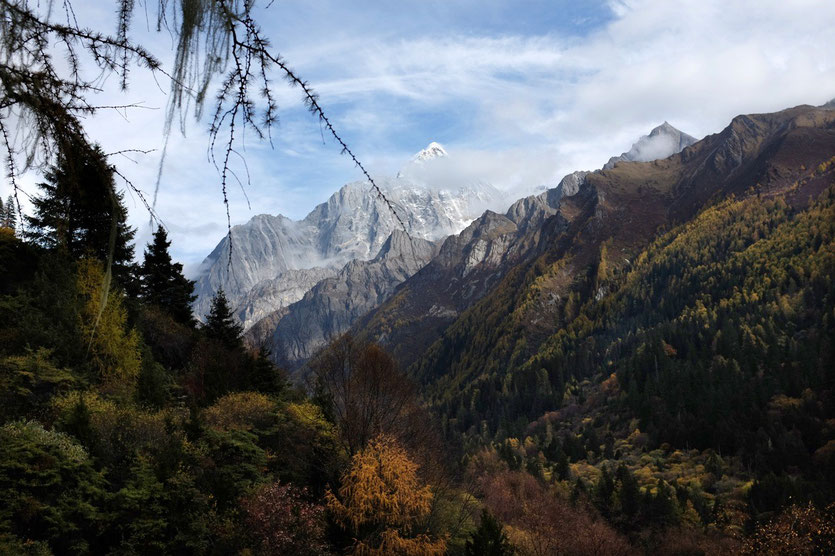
x=482, y=319
x=311, y=300
x=274, y=260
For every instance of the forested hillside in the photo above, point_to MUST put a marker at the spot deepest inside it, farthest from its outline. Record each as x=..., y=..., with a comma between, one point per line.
x=632, y=360
x=654, y=375
x=682, y=319
x=699, y=375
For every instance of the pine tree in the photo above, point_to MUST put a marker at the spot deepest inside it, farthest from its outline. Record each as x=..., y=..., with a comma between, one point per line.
x=4, y=213
x=603, y=492
x=11, y=213
x=153, y=383
x=629, y=493
x=221, y=324
x=8, y=214
x=78, y=210
x=489, y=539
x=162, y=282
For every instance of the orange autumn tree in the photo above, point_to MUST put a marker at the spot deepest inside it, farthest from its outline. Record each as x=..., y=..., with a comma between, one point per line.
x=382, y=501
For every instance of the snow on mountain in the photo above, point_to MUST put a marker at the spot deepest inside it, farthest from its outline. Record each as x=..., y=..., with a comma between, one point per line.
x=353, y=224
x=434, y=150
x=268, y=253
x=416, y=165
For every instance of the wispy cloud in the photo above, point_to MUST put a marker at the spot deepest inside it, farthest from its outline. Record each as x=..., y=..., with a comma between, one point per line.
x=519, y=94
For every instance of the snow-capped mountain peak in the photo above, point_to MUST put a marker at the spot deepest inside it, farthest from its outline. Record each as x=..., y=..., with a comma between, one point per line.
x=433, y=150
x=424, y=160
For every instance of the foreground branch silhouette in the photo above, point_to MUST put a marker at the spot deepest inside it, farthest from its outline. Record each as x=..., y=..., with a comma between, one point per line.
x=42, y=102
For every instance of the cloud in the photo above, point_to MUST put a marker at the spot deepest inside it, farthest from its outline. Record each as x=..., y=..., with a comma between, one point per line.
x=521, y=97
x=581, y=100
x=653, y=148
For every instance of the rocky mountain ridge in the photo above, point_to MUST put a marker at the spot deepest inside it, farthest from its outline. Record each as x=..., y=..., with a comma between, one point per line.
x=295, y=319
x=471, y=264
x=611, y=219
x=268, y=253
x=661, y=142
x=329, y=308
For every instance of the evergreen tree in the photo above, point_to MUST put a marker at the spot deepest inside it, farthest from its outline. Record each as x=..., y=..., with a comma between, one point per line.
x=162, y=282
x=78, y=210
x=489, y=539
x=265, y=376
x=221, y=324
x=603, y=492
x=629, y=493
x=153, y=383
x=8, y=214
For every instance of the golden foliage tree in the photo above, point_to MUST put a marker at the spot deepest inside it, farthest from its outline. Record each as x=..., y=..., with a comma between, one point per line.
x=113, y=348
x=241, y=411
x=382, y=501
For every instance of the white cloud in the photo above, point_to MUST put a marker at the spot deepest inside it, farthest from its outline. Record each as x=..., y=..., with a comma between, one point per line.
x=694, y=63
x=520, y=110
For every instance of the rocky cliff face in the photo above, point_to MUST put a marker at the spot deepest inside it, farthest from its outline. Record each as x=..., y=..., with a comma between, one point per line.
x=283, y=290
x=465, y=269
x=261, y=249
x=274, y=260
x=332, y=305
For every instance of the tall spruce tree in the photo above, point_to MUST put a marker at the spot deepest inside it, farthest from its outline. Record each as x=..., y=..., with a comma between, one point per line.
x=162, y=282
x=221, y=324
x=78, y=210
x=8, y=214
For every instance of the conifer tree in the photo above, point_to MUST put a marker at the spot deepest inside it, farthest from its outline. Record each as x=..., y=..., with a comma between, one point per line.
x=8, y=215
x=221, y=324
x=489, y=539
x=11, y=214
x=78, y=210
x=629, y=493
x=382, y=501
x=265, y=376
x=162, y=282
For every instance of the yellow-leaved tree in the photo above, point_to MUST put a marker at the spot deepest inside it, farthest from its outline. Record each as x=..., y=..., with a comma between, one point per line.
x=382, y=502
x=113, y=348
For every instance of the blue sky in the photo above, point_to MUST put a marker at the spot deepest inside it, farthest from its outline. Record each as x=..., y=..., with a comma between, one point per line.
x=519, y=93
